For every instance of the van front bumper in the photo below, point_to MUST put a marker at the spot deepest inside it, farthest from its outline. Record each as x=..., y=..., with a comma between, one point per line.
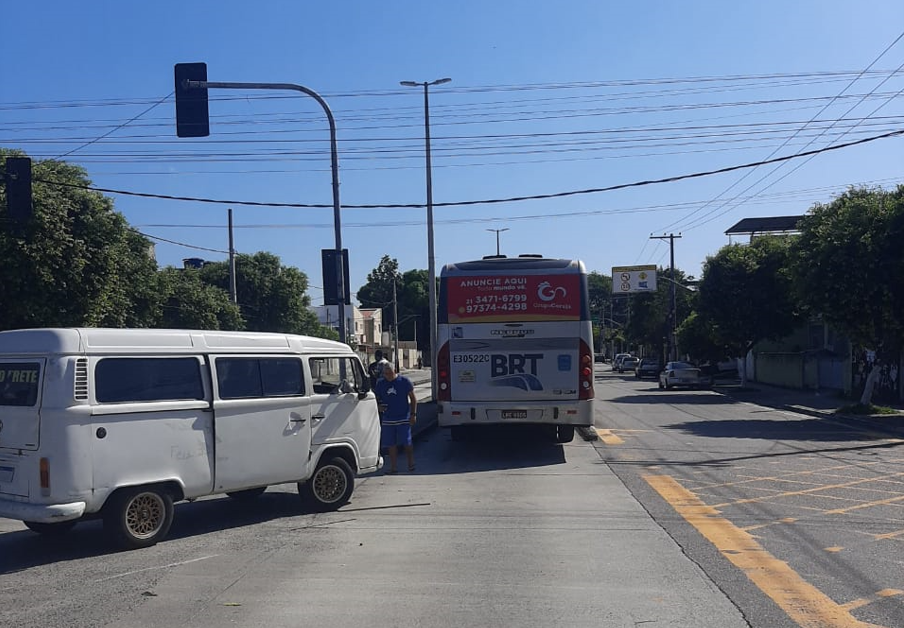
x=41, y=513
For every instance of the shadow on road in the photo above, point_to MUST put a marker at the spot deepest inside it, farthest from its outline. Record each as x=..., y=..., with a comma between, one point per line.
x=489, y=448
x=24, y=549
x=780, y=429
x=654, y=396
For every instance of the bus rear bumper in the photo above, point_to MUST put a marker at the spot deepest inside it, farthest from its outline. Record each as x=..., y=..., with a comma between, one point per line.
x=579, y=414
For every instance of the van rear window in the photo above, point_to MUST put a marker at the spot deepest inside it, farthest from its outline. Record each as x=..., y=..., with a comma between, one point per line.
x=19, y=384
x=120, y=380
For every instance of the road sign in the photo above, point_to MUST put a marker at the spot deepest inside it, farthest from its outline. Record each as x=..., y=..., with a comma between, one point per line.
x=628, y=279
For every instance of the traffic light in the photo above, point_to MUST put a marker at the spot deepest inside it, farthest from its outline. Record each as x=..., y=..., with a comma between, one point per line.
x=192, y=113
x=330, y=278
x=18, y=189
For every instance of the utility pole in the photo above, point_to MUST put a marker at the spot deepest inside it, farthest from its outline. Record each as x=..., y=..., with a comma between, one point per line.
x=673, y=315
x=233, y=296
x=395, y=324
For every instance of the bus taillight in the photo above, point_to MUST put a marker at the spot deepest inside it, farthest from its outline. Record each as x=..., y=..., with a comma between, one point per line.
x=586, y=377
x=443, y=375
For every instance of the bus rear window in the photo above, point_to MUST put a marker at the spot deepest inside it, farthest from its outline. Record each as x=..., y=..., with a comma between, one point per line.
x=19, y=384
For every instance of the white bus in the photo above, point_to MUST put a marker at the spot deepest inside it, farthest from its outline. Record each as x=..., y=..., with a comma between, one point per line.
x=120, y=423
x=515, y=344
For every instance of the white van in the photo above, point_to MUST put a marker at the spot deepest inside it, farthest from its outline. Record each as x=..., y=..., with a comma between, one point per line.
x=121, y=423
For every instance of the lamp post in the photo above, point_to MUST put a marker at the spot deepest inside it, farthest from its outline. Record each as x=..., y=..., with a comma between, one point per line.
x=431, y=260
x=498, y=231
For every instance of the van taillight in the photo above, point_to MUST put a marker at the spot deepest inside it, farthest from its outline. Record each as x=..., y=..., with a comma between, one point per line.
x=44, y=467
x=443, y=375
x=585, y=380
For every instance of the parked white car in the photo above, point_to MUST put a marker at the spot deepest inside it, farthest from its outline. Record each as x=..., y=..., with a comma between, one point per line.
x=683, y=374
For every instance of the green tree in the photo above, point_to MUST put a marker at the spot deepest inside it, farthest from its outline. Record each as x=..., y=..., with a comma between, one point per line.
x=272, y=297
x=377, y=292
x=747, y=294
x=650, y=313
x=188, y=302
x=850, y=266
x=76, y=262
x=695, y=337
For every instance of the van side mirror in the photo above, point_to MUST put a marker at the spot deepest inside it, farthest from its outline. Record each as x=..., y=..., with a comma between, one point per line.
x=345, y=387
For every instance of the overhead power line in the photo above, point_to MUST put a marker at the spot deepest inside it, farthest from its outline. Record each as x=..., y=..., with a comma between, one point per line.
x=511, y=199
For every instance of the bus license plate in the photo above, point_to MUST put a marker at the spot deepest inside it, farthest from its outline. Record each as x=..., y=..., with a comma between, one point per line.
x=514, y=414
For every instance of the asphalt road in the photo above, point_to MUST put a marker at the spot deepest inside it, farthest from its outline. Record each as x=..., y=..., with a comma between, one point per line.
x=690, y=510
x=799, y=519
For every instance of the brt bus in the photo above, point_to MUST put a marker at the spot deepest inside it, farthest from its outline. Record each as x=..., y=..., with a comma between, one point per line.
x=514, y=344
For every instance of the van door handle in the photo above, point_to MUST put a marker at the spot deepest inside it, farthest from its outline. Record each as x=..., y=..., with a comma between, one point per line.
x=296, y=418
x=319, y=417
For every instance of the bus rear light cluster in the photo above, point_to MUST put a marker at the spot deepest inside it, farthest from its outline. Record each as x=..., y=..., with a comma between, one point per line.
x=586, y=377
x=444, y=377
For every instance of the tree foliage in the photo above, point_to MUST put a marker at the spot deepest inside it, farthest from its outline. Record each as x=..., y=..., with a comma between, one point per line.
x=747, y=294
x=272, y=297
x=76, y=262
x=188, y=302
x=850, y=265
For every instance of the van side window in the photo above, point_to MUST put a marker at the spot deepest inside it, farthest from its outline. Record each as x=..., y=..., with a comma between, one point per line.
x=327, y=373
x=119, y=380
x=19, y=384
x=248, y=378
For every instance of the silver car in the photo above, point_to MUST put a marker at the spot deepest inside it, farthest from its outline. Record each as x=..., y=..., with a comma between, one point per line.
x=683, y=374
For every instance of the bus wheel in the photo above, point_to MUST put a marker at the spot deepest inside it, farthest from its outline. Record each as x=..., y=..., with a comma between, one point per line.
x=50, y=529
x=565, y=434
x=139, y=517
x=248, y=494
x=331, y=485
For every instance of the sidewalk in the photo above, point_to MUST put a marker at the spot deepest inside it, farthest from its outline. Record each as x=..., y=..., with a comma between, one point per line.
x=822, y=404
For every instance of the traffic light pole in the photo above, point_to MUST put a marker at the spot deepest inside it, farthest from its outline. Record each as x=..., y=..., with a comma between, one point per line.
x=334, y=157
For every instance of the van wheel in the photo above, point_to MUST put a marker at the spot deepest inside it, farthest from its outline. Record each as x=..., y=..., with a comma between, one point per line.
x=565, y=433
x=50, y=529
x=248, y=494
x=331, y=485
x=139, y=517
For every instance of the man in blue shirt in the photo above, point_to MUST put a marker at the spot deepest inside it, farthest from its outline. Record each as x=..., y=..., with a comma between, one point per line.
x=398, y=412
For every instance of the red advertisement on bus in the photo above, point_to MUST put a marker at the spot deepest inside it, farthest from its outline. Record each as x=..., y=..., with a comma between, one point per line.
x=514, y=297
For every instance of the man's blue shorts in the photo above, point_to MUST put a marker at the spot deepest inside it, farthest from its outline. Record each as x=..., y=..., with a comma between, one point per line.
x=399, y=435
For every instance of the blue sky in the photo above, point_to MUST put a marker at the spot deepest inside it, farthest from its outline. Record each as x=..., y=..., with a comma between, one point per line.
x=545, y=98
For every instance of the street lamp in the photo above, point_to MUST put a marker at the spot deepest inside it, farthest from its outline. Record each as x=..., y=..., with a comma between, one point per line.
x=431, y=260
x=497, y=237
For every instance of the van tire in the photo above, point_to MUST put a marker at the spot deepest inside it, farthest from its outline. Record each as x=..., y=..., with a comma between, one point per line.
x=331, y=485
x=248, y=494
x=58, y=528
x=139, y=517
x=564, y=433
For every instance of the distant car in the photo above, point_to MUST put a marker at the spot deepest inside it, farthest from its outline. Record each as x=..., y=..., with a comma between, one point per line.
x=683, y=374
x=627, y=364
x=599, y=357
x=647, y=367
x=617, y=360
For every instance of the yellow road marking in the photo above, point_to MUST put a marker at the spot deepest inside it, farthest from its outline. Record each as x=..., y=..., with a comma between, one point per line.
x=805, y=604
x=834, y=549
x=810, y=491
x=770, y=523
x=863, y=601
x=888, y=535
x=881, y=502
x=608, y=437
